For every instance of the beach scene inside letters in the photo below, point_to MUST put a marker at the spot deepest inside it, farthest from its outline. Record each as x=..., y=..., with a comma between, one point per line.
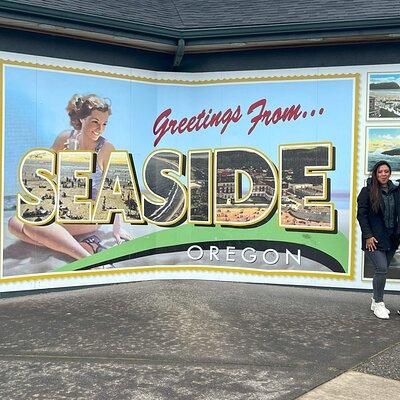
x=384, y=96
x=296, y=188
x=263, y=190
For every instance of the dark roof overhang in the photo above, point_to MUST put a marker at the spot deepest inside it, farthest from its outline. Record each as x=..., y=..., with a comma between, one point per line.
x=171, y=40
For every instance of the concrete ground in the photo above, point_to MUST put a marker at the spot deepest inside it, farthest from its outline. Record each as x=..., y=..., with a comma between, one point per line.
x=198, y=340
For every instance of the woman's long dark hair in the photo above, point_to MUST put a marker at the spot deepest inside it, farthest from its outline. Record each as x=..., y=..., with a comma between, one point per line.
x=375, y=190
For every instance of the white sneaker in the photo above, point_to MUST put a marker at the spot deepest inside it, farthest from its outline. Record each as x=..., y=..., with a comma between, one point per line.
x=380, y=310
x=373, y=306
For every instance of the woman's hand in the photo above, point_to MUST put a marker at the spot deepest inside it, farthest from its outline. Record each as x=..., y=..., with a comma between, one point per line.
x=371, y=244
x=119, y=233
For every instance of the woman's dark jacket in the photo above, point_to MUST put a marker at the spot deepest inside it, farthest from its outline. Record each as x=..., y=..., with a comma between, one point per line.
x=372, y=223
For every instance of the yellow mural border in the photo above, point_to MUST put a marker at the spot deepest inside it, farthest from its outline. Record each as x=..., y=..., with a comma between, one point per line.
x=77, y=274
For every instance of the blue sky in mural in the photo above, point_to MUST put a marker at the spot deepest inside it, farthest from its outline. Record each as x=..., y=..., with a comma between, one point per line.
x=35, y=102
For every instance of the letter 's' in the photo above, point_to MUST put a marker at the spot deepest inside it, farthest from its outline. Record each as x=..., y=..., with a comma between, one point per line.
x=36, y=203
x=164, y=199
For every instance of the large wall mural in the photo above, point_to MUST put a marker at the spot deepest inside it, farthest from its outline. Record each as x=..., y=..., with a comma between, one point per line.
x=115, y=175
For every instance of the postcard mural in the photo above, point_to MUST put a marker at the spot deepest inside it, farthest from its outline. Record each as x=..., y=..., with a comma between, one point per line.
x=107, y=173
x=383, y=141
x=384, y=96
x=383, y=144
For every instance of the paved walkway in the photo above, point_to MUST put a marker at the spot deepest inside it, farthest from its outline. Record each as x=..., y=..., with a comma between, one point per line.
x=355, y=385
x=197, y=340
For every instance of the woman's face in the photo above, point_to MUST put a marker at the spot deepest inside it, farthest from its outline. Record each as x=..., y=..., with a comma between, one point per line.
x=94, y=124
x=383, y=174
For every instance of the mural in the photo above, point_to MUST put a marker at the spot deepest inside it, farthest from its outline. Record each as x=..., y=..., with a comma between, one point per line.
x=111, y=174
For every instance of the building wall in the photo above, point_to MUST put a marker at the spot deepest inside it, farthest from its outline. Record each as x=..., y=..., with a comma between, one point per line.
x=313, y=56
x=82, y=50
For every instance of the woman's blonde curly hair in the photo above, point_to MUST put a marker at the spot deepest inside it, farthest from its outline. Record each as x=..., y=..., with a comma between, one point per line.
x=81, y=106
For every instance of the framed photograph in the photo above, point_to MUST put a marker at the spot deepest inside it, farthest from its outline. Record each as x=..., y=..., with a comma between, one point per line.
x=383, y=144
x=383, y=96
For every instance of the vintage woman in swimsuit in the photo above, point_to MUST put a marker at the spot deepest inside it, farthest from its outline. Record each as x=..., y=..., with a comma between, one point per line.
x=88, y=116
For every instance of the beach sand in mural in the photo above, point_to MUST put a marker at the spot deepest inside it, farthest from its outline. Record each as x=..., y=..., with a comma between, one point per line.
x=20, y=258
x=238, y=213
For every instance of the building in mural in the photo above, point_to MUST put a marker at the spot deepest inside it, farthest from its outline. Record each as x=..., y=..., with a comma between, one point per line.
x=136, y=167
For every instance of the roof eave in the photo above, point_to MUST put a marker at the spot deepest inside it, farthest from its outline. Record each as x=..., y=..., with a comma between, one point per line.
x=160, y=38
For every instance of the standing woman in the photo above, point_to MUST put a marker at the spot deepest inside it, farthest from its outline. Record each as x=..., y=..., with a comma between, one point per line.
x=88, y=117
x=378, y=217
